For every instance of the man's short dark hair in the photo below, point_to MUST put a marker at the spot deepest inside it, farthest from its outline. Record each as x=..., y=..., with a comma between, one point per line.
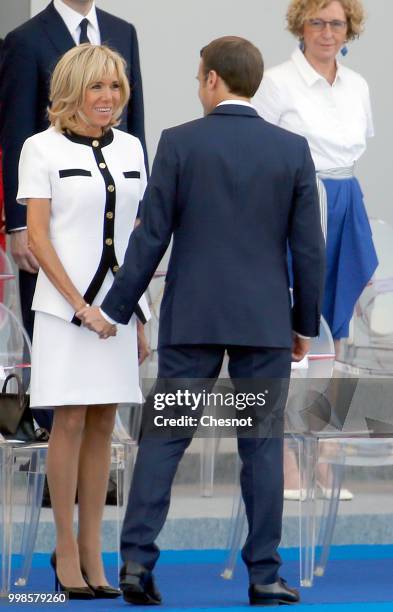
x=237, y=61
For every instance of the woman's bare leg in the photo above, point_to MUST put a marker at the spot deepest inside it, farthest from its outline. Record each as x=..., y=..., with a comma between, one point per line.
x=94, y=465
x=62, y=470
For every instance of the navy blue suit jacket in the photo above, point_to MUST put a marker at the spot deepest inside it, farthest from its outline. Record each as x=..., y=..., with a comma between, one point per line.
x=29, y=54
x=233, y=190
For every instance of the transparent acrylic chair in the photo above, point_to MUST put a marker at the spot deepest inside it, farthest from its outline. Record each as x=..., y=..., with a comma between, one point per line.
x=15, y=359
x=21, y=498
x=149, y=368
x=369, y=349
x=316, y=370
x=355, y=451
x=8, y=285
x=210, y=445
x=123, y=455
x=26, y=500
x=12, y=457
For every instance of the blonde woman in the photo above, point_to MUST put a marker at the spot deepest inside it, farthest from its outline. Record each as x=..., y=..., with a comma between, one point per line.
x=82, y=181
x=314, y=95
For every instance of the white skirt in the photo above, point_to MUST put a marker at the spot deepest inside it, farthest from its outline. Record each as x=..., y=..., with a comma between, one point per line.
x=70, y=365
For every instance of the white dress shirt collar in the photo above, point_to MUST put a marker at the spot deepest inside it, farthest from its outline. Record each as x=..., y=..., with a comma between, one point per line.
x=335, y=120
x=309, y=74
x=238, y=102
x=72, y=19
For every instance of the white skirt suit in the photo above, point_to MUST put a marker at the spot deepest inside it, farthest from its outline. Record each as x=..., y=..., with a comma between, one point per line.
x=95, y=185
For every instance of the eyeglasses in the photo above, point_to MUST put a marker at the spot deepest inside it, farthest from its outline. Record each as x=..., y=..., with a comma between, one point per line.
x=336, y=25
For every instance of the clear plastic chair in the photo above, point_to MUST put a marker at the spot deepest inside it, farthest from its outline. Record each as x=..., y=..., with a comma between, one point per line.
x=318, y=366
x=154, y=295
x=122, y=465
x=316, y=370
x=364, y=452
x=15, y=353
x=369, y=349
x=210, y=446
x=8, y=285
x=32, y=459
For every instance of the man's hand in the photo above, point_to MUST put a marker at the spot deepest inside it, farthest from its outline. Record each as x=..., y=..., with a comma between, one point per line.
x=300, y=347
x=143, y=347
x=92, y=318
x=21, y=253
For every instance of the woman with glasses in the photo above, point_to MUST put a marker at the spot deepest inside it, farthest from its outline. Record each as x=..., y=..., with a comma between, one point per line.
x=312, y=94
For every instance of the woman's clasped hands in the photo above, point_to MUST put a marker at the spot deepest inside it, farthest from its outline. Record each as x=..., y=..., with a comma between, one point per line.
x=93, y=319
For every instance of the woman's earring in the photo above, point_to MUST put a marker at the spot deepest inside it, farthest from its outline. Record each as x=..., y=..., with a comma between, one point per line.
x=302, y=46
x=344, y=50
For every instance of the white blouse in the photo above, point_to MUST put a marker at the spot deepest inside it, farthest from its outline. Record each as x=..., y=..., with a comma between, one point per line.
x=70, y=174
x=335, y=119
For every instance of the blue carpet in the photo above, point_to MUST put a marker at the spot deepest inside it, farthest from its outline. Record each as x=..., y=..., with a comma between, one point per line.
x=358, y=579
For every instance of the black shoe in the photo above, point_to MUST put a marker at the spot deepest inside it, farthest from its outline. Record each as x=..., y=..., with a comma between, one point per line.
x=102, y=592
x=137, y=584
x=272, y=594
x=72, y=592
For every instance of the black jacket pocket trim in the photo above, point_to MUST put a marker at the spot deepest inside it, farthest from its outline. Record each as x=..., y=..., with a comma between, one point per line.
x=132, y=174
x=74, y=172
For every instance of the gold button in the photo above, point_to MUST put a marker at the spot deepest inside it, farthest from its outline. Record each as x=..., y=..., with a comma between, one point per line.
x=95, y=143
x=115, y=268
x=109, y=241
x=109, y=215
x=102, y=165
x=111, y=188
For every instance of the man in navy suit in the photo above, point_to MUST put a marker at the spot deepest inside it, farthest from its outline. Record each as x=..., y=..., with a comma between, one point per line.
x=232, y=190
x=30, y=53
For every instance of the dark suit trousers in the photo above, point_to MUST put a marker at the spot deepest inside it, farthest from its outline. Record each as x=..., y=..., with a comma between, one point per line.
x=262, y=462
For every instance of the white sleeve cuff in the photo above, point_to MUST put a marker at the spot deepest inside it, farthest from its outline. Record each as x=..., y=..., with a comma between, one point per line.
x=301, y=336
x=107, y=318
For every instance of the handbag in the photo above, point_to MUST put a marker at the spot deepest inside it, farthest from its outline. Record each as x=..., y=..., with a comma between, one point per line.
x=16, y=420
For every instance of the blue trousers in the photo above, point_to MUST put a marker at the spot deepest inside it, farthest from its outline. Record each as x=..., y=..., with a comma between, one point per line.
x=262, y=461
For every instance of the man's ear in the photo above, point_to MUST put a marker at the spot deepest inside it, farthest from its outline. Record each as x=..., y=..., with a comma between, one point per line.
x=212, y=79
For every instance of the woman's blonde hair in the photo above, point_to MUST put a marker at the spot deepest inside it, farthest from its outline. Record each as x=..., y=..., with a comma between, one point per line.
x=75, y=71
x=300, y=10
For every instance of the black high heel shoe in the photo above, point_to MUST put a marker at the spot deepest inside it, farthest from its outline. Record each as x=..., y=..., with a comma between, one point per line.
x=72, y=592
x=102, y=592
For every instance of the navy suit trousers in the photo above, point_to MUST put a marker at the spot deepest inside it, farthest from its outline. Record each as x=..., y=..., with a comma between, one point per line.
x=261, y=457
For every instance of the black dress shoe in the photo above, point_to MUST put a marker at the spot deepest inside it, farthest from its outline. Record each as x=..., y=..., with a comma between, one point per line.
x=137, y=584
x=272, y=594
x=102, y=592
x=72, y=592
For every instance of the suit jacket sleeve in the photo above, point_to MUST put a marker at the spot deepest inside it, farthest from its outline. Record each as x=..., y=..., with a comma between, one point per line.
x=149, y=241
x=308, y=250
x=19, y=84
x=135, y=110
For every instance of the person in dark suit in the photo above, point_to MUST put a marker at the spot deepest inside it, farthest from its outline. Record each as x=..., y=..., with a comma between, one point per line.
x=232, y=190
x=30, y=53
